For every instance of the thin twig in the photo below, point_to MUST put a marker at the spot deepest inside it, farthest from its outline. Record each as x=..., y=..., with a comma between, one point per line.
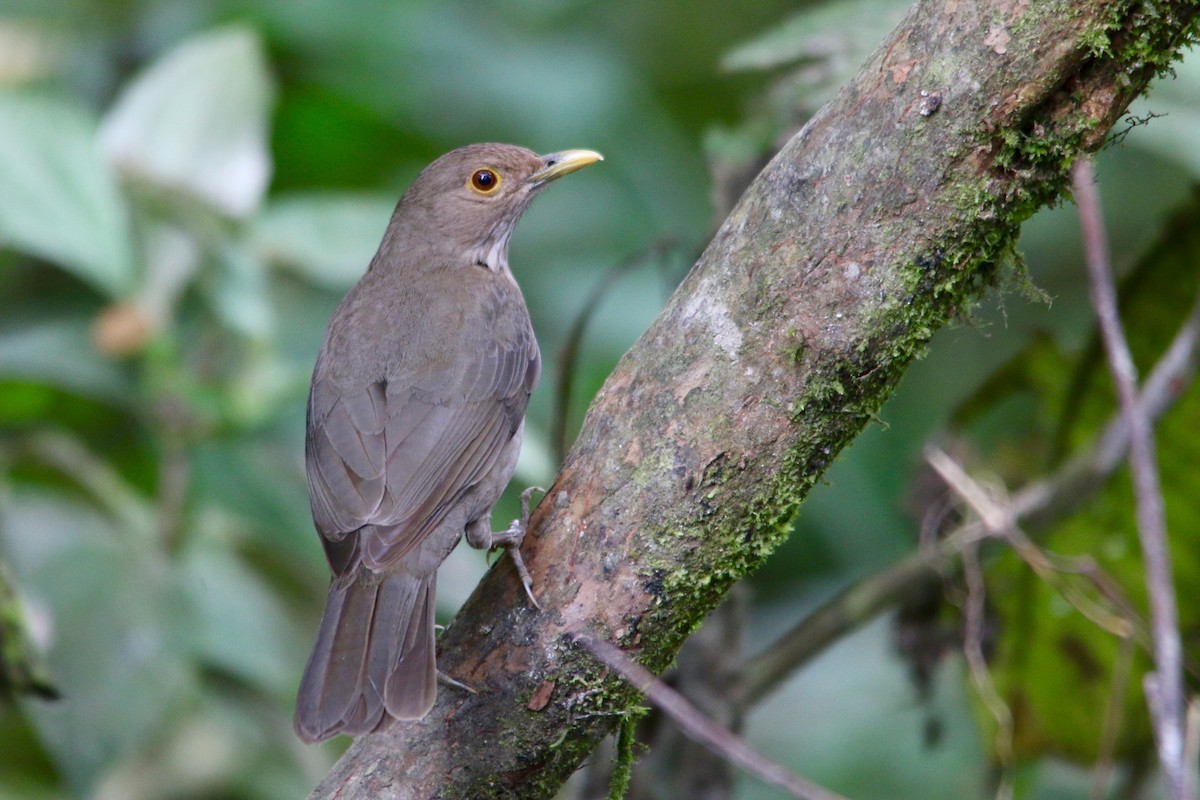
x=1191, y=752
x=1122, y=667
x=174, y=469
x=1165, y=687
x=981, y=676
x=1035, y=506
x=998, y=519
x=103, y=484
x=1125, y=623
x=568, y=354
x=700, y=728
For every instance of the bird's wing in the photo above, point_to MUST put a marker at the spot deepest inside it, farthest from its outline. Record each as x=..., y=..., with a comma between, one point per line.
x=388, y=459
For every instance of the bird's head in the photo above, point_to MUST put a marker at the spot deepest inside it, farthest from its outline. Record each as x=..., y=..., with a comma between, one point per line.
x=465, y=204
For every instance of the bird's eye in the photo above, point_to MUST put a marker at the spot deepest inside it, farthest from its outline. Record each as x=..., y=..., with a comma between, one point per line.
x=485, y=181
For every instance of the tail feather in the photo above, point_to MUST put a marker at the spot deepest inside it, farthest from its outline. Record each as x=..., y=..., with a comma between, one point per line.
x=411, y=684
x=374, y=658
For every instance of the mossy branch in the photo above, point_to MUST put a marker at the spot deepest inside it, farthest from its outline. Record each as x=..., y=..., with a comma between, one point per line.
x=872, y=227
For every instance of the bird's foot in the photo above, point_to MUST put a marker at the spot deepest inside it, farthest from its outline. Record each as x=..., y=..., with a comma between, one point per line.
x=511, y=537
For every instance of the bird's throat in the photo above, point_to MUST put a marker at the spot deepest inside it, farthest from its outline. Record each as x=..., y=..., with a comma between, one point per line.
x=493, y=253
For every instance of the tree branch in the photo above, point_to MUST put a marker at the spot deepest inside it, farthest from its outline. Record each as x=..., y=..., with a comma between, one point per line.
x=1036, y=506
x=700, y=728
x=870, y=229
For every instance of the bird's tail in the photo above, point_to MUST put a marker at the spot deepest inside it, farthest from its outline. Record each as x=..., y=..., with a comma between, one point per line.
x=374, y=657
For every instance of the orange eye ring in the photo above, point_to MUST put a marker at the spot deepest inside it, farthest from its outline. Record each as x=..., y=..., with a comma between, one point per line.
x=484, y=181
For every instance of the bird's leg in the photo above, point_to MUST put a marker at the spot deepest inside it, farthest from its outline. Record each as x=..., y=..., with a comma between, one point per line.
x=511, y=539
x=481, y=536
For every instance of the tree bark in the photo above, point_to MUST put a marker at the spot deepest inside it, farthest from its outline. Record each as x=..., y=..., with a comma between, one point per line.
x=881, y=219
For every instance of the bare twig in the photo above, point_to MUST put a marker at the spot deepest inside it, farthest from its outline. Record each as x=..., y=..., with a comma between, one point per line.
x=698, y=727
x=1191, y=752
x=1035, y=506
x=981, y=676
x=1122, y=667
x=568, y=354
x=1164, y=687
x=95, y=476
x=1124, y=624
x=1000, y=523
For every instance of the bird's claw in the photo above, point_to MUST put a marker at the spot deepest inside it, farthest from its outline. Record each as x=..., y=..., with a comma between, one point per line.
x=446, y=679
x=510, y=539
x=525, y=495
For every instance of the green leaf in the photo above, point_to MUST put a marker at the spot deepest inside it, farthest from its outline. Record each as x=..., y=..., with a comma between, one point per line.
x=239, y=293
x=116, y=628
x=59, y=352
x=839, y=31
x=241, y=626
x=21, y=668
x=263, y=483
x=197, y=121
x=327, y=238
x=60, y=201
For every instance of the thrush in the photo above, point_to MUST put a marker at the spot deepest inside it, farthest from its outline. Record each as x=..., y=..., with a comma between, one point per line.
x=415, y=419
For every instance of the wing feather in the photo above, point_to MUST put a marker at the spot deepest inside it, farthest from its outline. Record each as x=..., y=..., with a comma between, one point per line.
x=389, y=458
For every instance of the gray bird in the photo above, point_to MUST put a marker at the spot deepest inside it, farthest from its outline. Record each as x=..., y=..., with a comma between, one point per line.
x=415, y=418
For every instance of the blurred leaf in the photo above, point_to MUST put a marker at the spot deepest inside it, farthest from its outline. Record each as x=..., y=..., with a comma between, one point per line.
x=117, y=650
x=21, y=668
x=239, y=293
x=262, y=483
x=846, y=30
x=27, y=789
x=241, y=626
x=263, y=384
x=172, y=257
x=59, y=352
x=1033, y=380
x=60, y=201
x=535, y=465
x=744, y=143
x=197, y=120
x=327, y=238
x=810, y=54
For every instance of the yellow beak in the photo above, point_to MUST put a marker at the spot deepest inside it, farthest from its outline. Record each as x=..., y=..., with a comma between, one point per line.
x=563, y=163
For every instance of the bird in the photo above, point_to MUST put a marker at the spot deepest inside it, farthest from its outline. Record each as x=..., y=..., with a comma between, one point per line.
x=415, y=417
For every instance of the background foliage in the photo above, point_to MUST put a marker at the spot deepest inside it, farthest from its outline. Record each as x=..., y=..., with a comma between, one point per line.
x=187, y=188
